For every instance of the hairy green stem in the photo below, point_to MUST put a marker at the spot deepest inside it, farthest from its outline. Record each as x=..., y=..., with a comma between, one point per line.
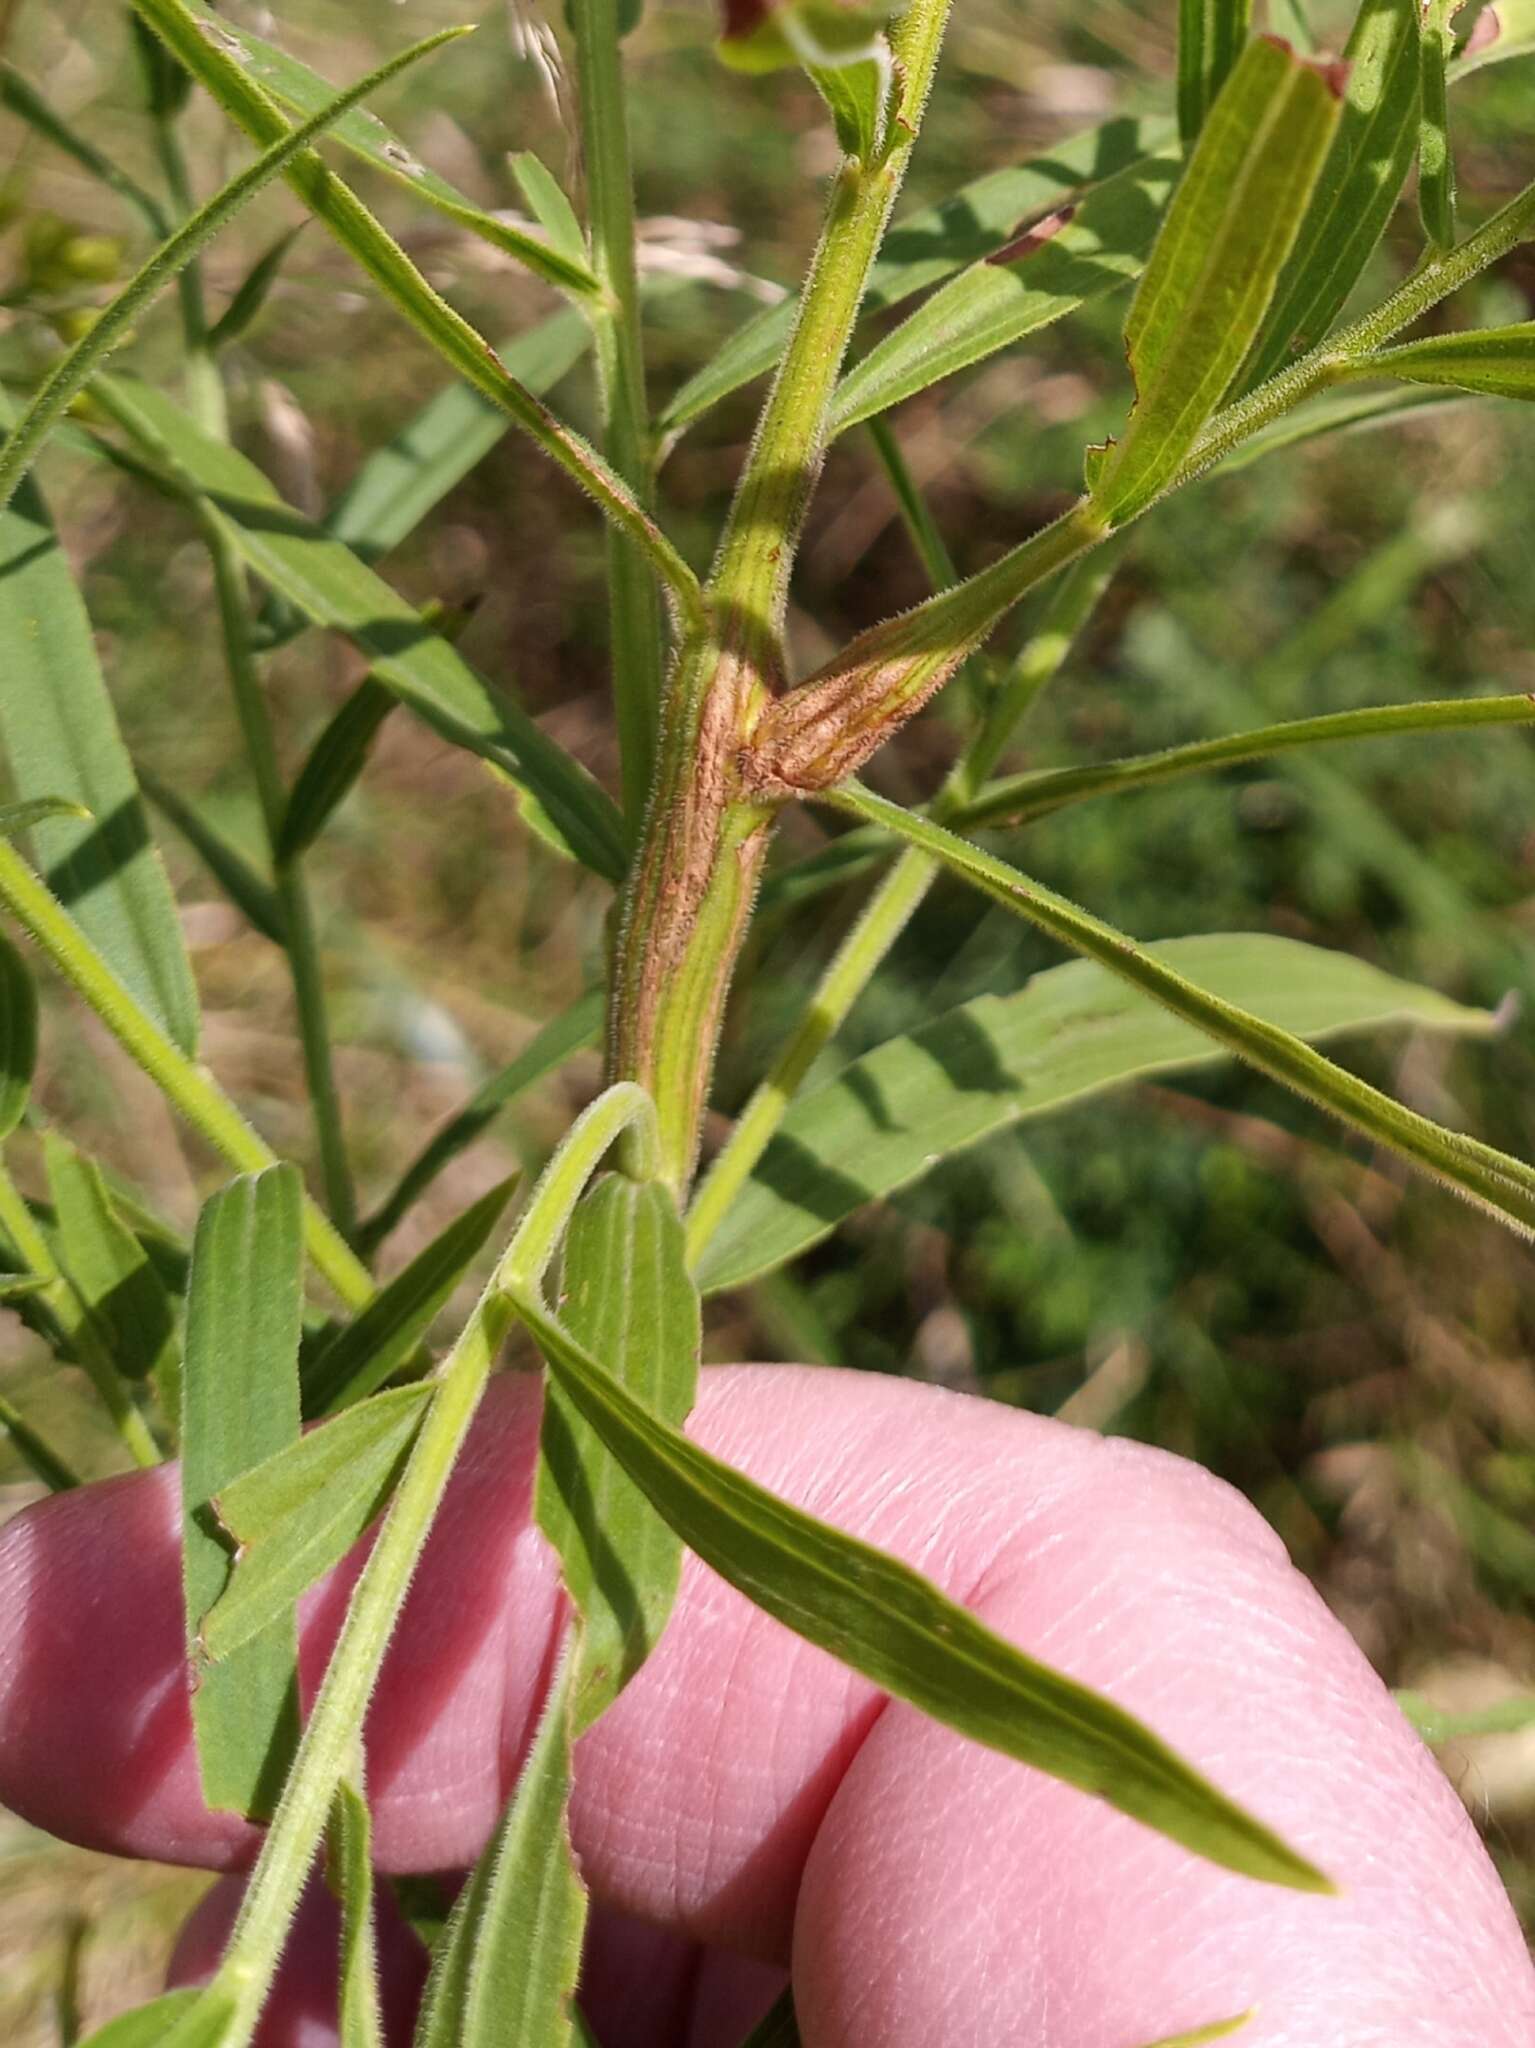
x=183, y=1083
x=634, y=609
x=326, y=1750
x=81, y=1337
x=695, y=875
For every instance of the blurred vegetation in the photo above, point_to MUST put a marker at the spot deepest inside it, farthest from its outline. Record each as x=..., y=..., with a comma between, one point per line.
x=1202, y=1264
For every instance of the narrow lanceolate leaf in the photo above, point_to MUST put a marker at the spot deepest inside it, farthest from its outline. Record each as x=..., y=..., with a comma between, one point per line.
x=351, y=1873
x=251, y=894
x=1212, y=273
x=627, y=1297
x=1058, y=264
x=571, y=1032
x=929, y=246
x=552, y=210
x=18, y=818
x=1436, y=164
x=333, y=764
x=251, y=294
x=1211, y=34
x=1218, y=2030
x=60, y=733
x=239, y=1405
x=504, y=1974
x=1358, y=189
x=18, y=1036
x=1494, y=1181
x=177, y=2019
x=373, y=1347
x=1073, y=1032
x=1340, y=411
x=888, y=1622
x=79, y=364
x=858, y=97
x=1496, y=361
x=299, y=88
x=300, y=1512
x=1019, y=798
x=1503, y=31
x=329, y=584
x=108, y=1268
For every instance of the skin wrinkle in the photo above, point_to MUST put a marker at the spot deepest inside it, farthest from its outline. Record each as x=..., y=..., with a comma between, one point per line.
x=941, y=1895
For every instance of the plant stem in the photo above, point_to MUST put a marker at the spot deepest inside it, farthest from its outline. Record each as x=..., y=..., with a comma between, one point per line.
x=326, y=1751
x=706, y=835
x=55, y=1472
x=634, y=607
x=81, y=1338
x=184, y=1084
x=891, y=907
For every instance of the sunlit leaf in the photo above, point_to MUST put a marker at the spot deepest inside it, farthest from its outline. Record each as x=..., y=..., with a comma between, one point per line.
x=374, y=1346
x=1211, y=34
x=1495, y=361
x=333, y=588
x=1218, y=2030
x=1054, y=267
x=177, y=2019
x=627, y=1297
x=930, y=245
x=504, y=1974
x=1496, y=1182
x=106, y=1265
x=296, y=86
x=60, y=733
x=300, y=1512
x=889, y=1623
x=1359, y=186
x=240, y=1404
x=1072, y=1032
x=571, y=1032
x=1202, y=299
x=552, y=210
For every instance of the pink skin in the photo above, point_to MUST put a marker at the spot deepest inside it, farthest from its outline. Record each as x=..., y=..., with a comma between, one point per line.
x=749, y=1793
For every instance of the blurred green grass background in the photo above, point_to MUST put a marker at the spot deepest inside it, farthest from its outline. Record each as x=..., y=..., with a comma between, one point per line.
x=1199, y=1264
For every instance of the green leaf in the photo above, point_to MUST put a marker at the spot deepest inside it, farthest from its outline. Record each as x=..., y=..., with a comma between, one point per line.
x=108, y=1268
x=250, y=893
x=177, y=2019
x=1495, y=361
x=1071, y=1033
x=331, y=767
x=296, y=86
x=778, y=2028
x=374, y=1346
x=60, y=733
x=1494, y=1181
x=351, y=1873
x=627, y=1297
x=252, y=292
x=240, y=1404
x=769, y=35
x=884, y=1620
x=928, y=246
x=859, y=97
x=1358, y=189
x=23, y=100
x=1218, y=2030
x=1063, y=262
x=1436, y=165
x=571, y=1032
x=550, y=207
x=1020, y=798
x=18, y=1037
x=1212, y=273
x=1211, y=34
x=1334, y=412
x=505, y=1973
x=15, y=818
x=327, y=582
x=300, y=1512
x=78, y=365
